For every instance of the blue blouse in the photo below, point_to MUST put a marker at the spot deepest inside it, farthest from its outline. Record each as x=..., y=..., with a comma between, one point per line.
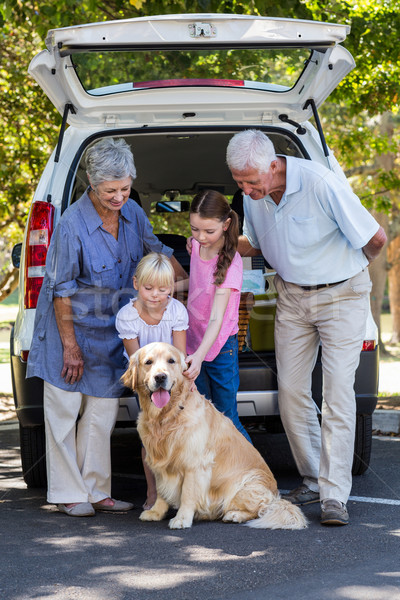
x=86, y=263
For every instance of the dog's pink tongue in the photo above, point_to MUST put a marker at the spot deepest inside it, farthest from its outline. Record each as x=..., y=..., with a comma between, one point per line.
x=160, y=398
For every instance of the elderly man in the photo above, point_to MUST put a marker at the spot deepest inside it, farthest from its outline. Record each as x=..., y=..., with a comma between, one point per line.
x=316, y=234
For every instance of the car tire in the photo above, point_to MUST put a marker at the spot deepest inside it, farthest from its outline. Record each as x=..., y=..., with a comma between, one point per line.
x=33, y=456
x=362, y=444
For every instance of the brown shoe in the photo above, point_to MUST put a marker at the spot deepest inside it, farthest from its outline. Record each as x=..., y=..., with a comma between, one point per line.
x=334, y=512
x=301, y=495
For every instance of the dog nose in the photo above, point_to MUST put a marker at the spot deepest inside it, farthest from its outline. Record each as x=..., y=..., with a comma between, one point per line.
x=160, y=379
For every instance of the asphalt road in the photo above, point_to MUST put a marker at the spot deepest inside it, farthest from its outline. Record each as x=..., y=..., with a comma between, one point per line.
x=48, y=555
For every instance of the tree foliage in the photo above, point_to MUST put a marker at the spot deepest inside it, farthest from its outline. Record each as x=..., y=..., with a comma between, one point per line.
x=352, y=119
x=28, y=123
x=353, y=116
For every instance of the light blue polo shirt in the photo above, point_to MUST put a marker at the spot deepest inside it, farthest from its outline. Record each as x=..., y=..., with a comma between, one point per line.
x=316, y=233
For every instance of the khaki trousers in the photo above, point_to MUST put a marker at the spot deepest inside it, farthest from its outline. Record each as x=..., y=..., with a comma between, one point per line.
x=334, y=318
x=78, y=451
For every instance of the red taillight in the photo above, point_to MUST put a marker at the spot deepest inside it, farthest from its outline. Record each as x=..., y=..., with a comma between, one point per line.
x=40, y=229
x=24, y=355
x=369, y=345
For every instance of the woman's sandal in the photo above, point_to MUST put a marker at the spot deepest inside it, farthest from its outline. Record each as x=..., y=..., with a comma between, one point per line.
x=113, y=506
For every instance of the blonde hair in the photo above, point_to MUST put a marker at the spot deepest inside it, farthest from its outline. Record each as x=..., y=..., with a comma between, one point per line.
x=155, y=268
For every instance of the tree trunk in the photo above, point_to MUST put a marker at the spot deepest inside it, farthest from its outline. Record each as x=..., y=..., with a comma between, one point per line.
x=378, y=271
x=8, y=283
x=394, y=287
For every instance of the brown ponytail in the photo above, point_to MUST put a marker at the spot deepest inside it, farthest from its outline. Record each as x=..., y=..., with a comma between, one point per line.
x=210, y=204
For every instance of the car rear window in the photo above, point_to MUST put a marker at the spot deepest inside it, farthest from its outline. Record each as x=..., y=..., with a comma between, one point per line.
x=117, y=71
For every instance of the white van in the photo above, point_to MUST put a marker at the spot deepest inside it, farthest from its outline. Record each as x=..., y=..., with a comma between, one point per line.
x=176, y=88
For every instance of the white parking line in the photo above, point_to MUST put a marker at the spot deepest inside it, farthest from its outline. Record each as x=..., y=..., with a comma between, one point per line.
x=388, y=501
x=374, y=500
x=352, y=498
x=364, y=499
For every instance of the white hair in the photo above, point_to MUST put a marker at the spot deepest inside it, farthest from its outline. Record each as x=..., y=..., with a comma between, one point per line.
x=250, y=149
x=109, y=160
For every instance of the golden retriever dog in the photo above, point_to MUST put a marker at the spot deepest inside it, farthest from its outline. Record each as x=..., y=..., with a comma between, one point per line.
x=203, y=466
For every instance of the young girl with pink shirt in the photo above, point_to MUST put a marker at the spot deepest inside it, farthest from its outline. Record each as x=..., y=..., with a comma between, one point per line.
x=216, y=273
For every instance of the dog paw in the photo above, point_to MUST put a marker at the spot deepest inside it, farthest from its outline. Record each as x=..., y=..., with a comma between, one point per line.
x=235, y=516
x=150, y=515
x=180, y=523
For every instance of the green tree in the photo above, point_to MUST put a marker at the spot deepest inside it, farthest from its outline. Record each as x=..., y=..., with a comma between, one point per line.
x=28, y=123
x=362, y=124
x=355, y=120
x=27, y=130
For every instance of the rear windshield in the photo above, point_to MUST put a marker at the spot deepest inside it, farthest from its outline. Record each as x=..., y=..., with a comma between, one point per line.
x=111, y=72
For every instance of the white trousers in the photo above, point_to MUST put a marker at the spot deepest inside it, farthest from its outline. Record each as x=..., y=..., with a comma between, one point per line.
x=78, y=454
x=335, y=318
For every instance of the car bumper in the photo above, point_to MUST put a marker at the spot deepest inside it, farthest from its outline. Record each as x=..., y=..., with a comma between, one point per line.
x=252, y=401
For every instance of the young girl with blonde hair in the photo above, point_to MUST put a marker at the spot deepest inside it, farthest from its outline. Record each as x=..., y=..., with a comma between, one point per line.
x=153, y=316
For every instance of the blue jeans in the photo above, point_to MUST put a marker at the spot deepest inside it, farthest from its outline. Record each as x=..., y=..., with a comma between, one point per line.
x=219, y=382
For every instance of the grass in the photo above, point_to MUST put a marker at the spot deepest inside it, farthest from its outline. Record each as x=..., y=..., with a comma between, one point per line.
x=4, y=356
x=8, y=313
x=11, y=300
x=8, y=310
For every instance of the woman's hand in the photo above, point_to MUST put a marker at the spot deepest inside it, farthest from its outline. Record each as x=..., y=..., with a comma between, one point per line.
x=73, y=365
x=73, y=362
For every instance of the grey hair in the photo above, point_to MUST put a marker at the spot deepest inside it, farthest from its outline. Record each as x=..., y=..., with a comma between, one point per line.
x=250, y=149
x=109, y=160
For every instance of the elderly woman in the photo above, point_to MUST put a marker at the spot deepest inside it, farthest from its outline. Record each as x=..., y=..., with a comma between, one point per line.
x=76, y=350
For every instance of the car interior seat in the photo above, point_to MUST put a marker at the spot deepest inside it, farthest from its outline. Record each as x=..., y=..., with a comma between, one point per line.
x=178, y=243
x=134, y=194
x=237, y=206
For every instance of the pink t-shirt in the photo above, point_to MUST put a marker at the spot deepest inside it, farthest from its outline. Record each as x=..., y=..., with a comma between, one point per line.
x=201, y=297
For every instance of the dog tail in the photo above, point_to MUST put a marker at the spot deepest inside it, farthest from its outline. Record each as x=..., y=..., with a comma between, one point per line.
x=279, y=514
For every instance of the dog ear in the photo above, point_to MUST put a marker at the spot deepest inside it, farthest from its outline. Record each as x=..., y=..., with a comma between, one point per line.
x=129, y=377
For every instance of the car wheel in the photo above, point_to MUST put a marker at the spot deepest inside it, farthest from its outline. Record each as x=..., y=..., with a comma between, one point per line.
x=362, y=444
x=33, y=455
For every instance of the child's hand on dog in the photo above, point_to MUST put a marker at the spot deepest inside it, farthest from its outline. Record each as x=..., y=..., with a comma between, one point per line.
x=190, y=374
x=194, y=362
